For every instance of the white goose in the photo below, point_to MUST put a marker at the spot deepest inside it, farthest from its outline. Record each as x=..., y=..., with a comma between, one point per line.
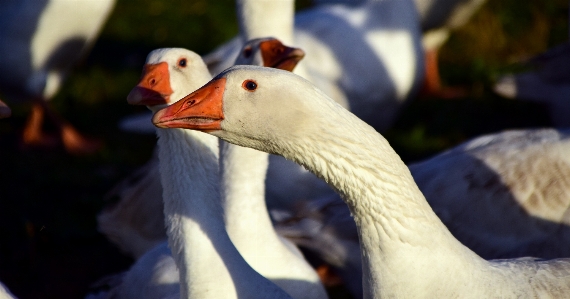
x=210, y=265
x=437, y=18
x=406, y=250
x=278, y=261
x=39, y=42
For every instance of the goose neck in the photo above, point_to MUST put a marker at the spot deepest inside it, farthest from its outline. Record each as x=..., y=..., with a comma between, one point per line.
x=243, y=194
x=403, y=242
x=210, y=265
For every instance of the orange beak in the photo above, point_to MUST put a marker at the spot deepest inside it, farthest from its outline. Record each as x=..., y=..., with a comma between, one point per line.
x=154, y=86
x=279, y=56
x=200, y=110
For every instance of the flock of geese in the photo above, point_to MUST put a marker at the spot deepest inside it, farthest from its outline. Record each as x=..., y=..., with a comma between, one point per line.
x=272, y=132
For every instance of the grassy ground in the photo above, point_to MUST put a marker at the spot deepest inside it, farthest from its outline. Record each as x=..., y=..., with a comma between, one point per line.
x=50, y=247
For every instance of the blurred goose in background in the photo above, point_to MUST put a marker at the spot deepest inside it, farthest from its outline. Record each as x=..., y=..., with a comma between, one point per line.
x=4, y=110
x=504, y=195
x=548, y=83
x=39, y=43
x=438, y=18
x=406, y=249
x=274, y=258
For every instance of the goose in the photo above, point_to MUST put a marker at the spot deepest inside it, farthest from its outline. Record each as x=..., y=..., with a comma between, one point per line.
x=289, y=269
x=548, y=83
x=406, y=250
x=130, y=223
x=210, y=265
x=4, y=110
x=39, y=42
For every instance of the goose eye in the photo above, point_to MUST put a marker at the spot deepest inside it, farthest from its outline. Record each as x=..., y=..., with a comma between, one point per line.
x=182, y=62
x=249, y=85
x=247, y=52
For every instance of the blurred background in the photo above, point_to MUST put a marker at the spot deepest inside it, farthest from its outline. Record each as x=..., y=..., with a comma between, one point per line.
x=49, y=243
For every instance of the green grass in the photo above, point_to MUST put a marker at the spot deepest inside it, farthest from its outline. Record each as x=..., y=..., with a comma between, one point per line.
x=50, y=247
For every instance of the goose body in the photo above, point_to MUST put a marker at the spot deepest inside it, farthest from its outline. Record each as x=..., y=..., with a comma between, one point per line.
x=406, y=250
x=39, y=43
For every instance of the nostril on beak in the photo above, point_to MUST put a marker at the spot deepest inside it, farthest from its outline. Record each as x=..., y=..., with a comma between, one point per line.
x=152, y=82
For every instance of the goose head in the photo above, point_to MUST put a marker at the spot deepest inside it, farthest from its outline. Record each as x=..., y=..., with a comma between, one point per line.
x=269, y=52
x=168, y=75
x=250, y=106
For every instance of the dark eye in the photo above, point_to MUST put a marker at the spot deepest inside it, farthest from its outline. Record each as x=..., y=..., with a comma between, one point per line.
x=182, y=62
x=247, y=52
x=249, y=85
